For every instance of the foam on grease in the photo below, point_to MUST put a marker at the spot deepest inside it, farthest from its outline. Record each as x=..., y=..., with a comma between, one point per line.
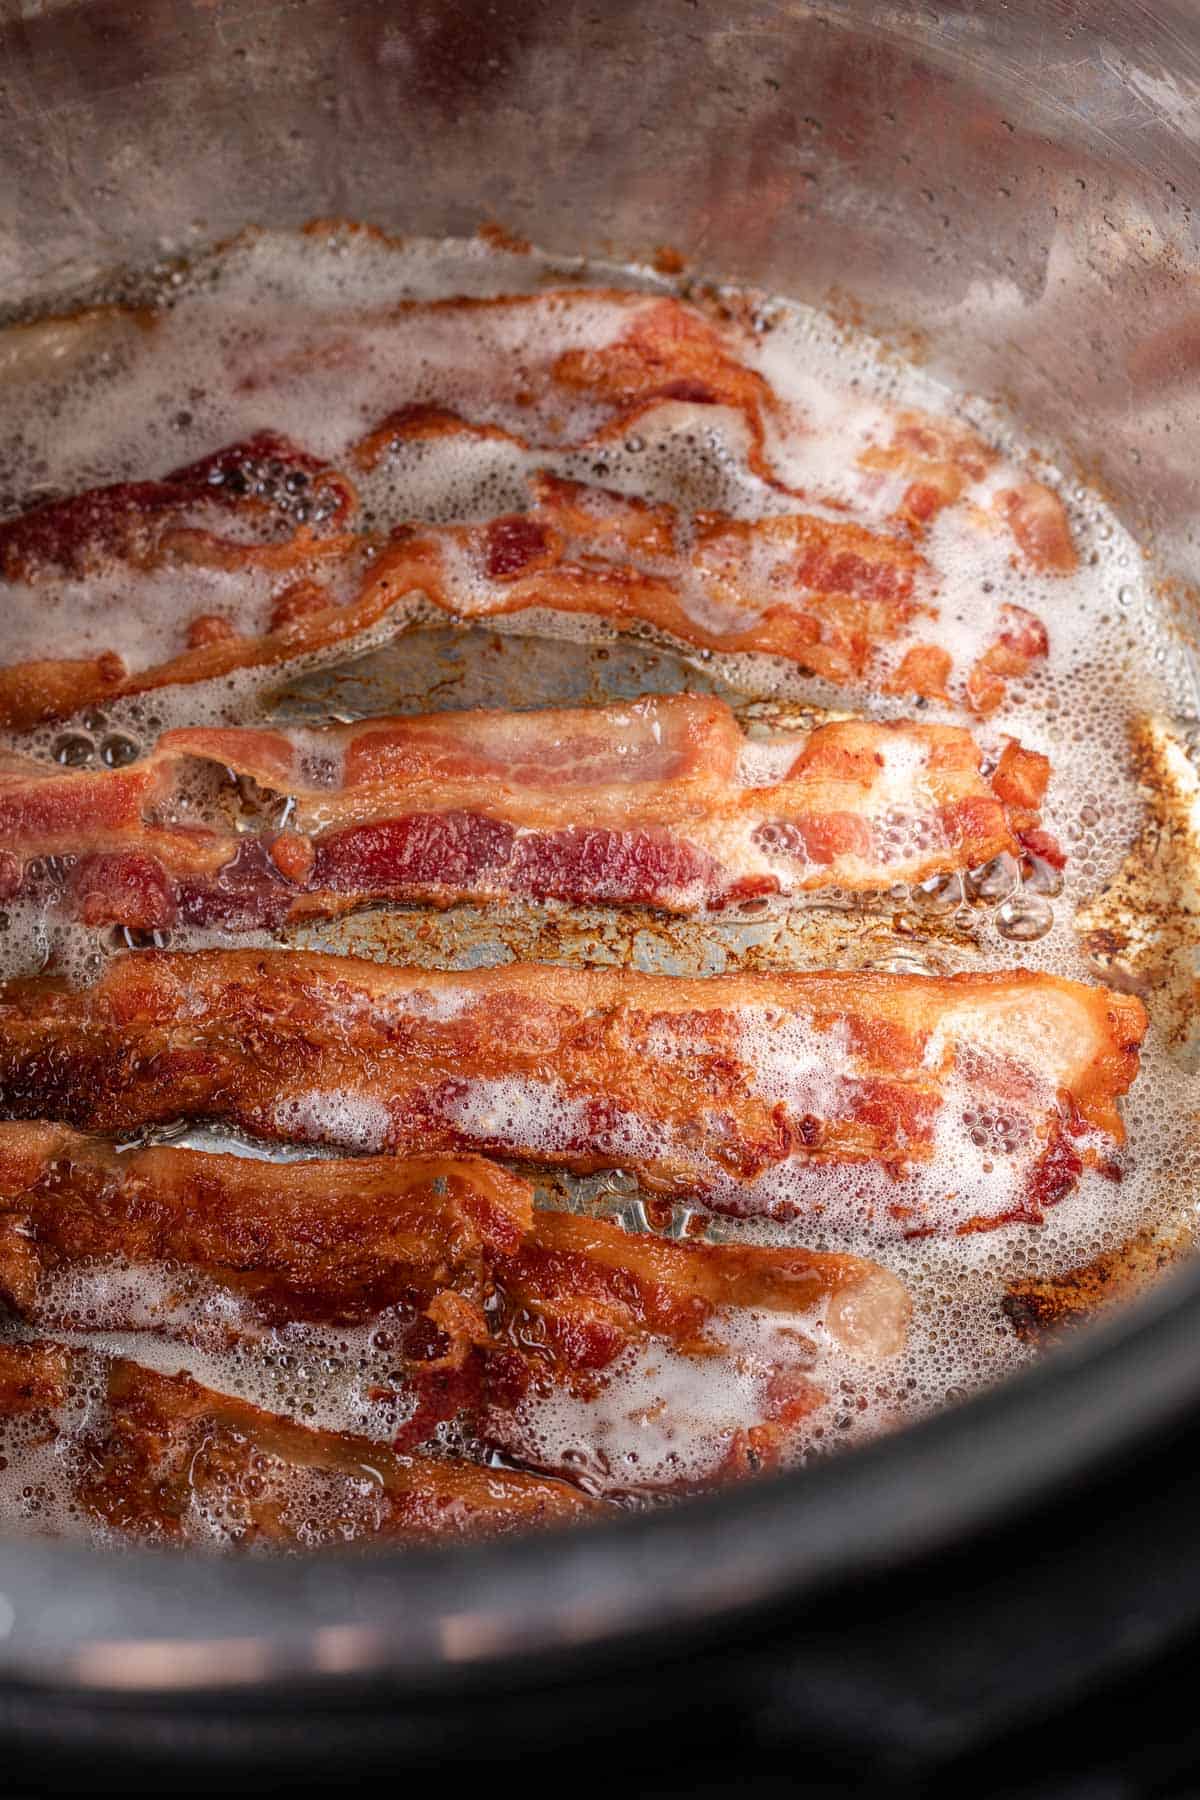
x=294, y=334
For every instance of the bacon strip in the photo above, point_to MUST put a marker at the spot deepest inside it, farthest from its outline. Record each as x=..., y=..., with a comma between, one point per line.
x=266, y=482
x=579, y=368
x=330, y=1240
x=558, y=370
x=821, y=593
x=492, y=1309
x=647, y=1285
x=173, y=1462
x=489, y=1305
x=713, y=1088
x=826, y=594
x=262, y=517
x=583, y=1293
x=549, y=373
x=832, y=596
x=638, y=804
x=341, y=1241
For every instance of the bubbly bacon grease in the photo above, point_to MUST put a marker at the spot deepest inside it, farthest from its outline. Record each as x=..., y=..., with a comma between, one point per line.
x=619, y=487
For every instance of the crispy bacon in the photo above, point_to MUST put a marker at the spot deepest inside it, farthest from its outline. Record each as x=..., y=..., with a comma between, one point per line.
x=341, y=1241
x=333, y=1240
x=637, y=804
x=308, y=616
x=262, y=509
x=705, y=1088
x=489, y=1306
x=583, y=1294
x=170, y=1461
x=827, y=595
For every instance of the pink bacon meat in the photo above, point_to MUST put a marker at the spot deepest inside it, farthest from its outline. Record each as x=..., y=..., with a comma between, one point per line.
x=644, y=804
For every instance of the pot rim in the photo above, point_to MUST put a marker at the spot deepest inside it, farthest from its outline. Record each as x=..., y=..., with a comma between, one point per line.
x=120, y=1622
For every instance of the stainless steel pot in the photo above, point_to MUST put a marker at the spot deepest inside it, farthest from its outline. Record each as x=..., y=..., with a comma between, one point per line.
x=1004, y=187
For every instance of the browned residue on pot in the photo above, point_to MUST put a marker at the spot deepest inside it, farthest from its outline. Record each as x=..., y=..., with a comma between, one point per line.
x=1037, y=1308
x=1142, y=933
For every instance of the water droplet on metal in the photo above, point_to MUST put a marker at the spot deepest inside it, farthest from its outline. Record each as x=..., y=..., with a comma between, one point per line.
x=940, y=894
x=1024, y=918
x=116, y=751
x=73, y=749
x=994, y=880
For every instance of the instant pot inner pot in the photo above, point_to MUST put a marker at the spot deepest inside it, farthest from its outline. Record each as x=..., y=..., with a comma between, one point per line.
x=1002, y=191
